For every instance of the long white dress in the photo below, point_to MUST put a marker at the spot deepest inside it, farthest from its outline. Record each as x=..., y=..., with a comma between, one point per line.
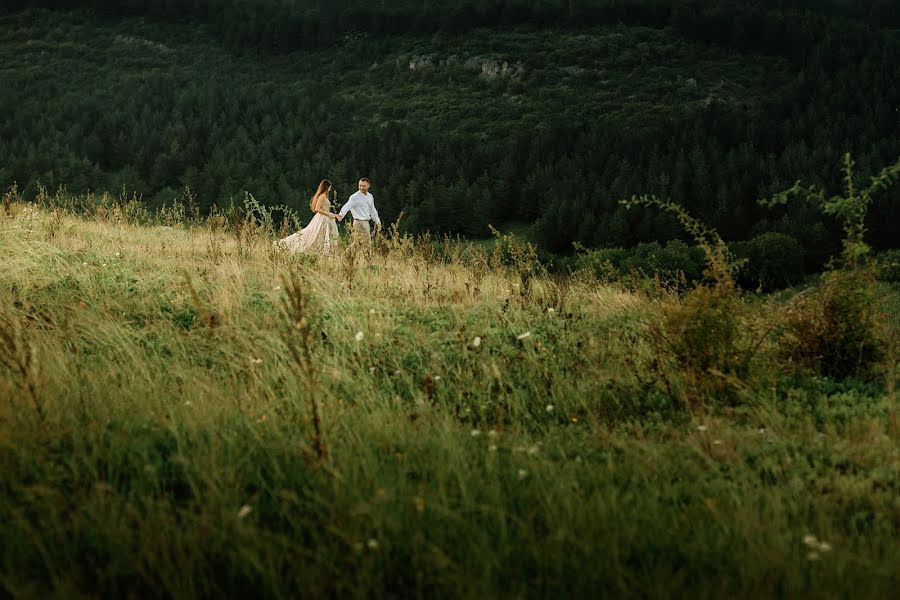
x=319, y=237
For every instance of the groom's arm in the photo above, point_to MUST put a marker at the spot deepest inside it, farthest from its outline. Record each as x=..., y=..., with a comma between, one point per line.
x=346, y=207
x=375, y=216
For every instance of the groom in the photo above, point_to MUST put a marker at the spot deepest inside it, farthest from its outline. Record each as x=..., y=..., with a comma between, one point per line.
x=362, y=206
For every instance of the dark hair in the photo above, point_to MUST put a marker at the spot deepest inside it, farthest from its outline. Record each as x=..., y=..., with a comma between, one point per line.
x=364, y=179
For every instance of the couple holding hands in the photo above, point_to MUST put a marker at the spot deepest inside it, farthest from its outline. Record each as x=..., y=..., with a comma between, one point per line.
x=321, y=235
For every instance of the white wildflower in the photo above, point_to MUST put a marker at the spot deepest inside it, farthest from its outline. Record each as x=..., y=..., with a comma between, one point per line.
x=474, y=433
x=549, y=408
x=476, y=342
x=245, y=510
x=359, y=336
x=810, y=540
x=701, y=427
x=492, y=448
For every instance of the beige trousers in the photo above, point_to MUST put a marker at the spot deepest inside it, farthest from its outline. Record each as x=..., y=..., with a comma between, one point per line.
x=361, y=238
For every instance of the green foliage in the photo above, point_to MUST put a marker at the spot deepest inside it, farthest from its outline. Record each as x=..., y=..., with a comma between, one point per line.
x=888, y=266
x=720, y=265
x=835, y=329
x=703, y=343
x=850, y=208
x=673, y=264
x=477, y=445
x=771, y=261
x=518, y=255
x=710, y=105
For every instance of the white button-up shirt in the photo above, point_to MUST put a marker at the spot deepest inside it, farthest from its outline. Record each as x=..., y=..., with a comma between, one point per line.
x=362, y=207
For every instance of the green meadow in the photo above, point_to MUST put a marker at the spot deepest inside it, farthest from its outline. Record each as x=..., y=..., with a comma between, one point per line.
x=185, y=411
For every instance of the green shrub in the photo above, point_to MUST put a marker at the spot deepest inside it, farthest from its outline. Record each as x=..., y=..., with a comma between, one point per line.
x=674, y=262
x=772, y=261
x=833, y=330
x=888, y=266
x=702, y=344
x=703, y=338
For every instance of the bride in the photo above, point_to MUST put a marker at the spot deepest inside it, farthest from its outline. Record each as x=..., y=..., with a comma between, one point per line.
x=321, y=235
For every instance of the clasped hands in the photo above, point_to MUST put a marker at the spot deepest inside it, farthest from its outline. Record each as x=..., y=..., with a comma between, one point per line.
x=338, y=217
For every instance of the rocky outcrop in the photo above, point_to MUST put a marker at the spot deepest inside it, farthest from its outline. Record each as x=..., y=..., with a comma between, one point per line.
x=485, y=67
x=421, y=62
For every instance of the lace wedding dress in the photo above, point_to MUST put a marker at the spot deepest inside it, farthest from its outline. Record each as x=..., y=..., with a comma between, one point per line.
x=319, y=237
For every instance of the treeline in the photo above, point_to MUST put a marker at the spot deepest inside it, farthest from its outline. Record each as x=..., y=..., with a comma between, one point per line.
x=288, y=25
x=219, y=131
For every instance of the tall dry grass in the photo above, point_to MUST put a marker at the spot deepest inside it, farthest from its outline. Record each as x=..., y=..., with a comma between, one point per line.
x=431, y=428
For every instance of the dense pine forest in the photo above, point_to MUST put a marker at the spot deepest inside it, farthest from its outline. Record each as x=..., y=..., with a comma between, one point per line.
x=464, y=113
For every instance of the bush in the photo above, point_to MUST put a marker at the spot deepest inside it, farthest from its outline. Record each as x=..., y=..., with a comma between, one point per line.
x=772, y=261
x=888, y=266
x=833, y=331
x=702, y=345
x=676, y=261
x=836, y=330
x=705, y=339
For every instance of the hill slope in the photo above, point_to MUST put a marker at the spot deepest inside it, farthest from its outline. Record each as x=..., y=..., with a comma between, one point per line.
x=156, y=432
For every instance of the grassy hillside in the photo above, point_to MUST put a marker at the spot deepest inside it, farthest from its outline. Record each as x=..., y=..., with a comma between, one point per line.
x=485, y=430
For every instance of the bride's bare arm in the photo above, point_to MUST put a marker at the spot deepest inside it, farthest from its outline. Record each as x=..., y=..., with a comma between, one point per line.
x=320, y=207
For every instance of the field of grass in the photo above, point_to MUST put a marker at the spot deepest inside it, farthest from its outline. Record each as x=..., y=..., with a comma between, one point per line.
x=478, y=439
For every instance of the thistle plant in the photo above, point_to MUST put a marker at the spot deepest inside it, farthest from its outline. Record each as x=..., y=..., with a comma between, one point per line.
x=835, y=330
x=849, y=209
x=703, y=336
x=720, y=264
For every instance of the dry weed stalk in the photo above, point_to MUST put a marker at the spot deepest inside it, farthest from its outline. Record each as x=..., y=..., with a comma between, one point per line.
x=301, y=342
x=17, y=357
x=891, y=366
x=9, y=198
x=216, y=224
x=348, y=261
x=209, y=316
